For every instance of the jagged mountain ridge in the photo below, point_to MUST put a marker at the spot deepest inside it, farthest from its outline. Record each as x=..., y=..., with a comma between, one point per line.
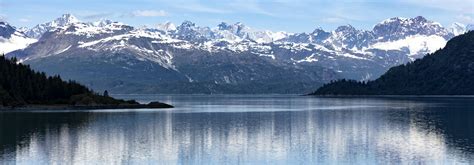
x=39, y=30
x=176, y=54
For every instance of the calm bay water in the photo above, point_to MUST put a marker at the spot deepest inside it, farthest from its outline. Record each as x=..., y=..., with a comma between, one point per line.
x=240, y=129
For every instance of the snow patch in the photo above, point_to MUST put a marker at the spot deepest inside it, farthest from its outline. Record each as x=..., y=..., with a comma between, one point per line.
x=266, y=55
x=416, y=44
x=61, y=51
x=91, y=29
x=308, y=59
x=350, y=56
x=15, y=42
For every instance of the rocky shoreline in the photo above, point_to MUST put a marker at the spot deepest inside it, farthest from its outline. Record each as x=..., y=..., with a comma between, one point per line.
x=153, y=105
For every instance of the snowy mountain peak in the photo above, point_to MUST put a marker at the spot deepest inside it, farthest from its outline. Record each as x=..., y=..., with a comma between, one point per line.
x=102, y=23
x=71, y=25
x=190, y=32
x=39, y=30
x=167, y=26
x=458, y=28
x=187, y=24
x=346, y=28
x=224, y=26
x=318, y=29
x=470, y=27
x=22, y=29
x=238, y=29
x=394, y=19
x=3, y=24
x=458, y=24
x=100, y=28
x=399, y=28
x=406, y=21
x=420, y=19
x=319, y=35
x=65, y=19
x=6, y=30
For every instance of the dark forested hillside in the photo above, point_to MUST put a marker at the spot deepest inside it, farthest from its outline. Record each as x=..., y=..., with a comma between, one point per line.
x=449, y=71
x=20, y=85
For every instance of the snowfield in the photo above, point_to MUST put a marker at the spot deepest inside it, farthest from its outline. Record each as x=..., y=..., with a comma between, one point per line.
x=15, y=42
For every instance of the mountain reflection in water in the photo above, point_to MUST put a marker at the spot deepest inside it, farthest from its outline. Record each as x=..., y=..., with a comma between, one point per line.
x=263, y=129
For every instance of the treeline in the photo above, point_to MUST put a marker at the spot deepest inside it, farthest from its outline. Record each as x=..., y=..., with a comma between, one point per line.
x=449, y=71
x=20, y=85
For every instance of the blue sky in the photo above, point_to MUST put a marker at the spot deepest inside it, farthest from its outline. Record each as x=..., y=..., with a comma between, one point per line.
x=277, y=15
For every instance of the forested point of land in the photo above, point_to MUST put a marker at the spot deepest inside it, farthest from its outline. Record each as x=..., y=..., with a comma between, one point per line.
x=448, y=71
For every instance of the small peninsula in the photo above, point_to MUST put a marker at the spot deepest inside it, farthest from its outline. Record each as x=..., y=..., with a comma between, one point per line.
x=22, y=88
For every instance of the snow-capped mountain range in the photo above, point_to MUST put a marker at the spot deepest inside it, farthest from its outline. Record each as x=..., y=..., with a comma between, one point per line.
x=62, y=21
x=228, y=58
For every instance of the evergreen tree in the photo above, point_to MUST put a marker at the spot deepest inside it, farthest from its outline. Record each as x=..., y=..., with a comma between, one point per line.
x=106, y=93
x=20, y=85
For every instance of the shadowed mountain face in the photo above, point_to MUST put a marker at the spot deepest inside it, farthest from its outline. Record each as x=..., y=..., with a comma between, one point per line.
x=123, y=73
x=449, y=71
x=6, y=30
x=230, y=58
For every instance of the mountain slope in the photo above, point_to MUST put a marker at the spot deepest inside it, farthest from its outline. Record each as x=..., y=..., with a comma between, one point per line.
x=12, y=39
x=123, y=59
x=229, y=58
x=191, y=72
x=449, y=71
x=458, y=28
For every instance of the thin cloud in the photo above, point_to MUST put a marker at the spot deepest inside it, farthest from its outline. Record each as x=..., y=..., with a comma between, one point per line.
x=227, y=7
x=24, y=20
x=149, y=13
x=466, y=19
x=333, y=20
x=196, y=7
x=250, y=6
x=463, y=6
x=98, y=15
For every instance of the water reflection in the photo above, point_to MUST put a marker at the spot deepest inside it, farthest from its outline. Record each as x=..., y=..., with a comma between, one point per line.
x=255, y=130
